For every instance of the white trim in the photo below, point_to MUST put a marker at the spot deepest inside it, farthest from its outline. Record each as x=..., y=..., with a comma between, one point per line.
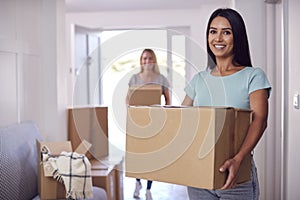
x=284, y=100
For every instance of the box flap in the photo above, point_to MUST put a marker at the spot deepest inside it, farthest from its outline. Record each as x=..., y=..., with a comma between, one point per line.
x=57, y=147
x=83, y=147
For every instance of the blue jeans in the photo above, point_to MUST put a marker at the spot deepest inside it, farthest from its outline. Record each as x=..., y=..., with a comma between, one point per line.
x=149, y=183
x=245, y=191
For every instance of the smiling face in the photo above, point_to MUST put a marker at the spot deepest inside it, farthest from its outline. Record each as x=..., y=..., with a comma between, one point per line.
x=220, y=38
x=147, y=61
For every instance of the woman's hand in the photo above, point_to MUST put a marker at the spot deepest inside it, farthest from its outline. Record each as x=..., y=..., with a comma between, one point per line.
x=259, y=107
x=232, y=166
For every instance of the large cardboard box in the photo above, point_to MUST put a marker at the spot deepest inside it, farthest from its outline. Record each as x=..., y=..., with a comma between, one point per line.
x=48, y=187
x=90, y=124
x=185, y=145
x=145, y=95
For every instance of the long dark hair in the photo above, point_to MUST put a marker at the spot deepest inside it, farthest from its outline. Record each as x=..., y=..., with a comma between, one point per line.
x=241, y=52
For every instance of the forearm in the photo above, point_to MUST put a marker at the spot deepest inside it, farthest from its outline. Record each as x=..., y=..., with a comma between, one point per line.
x=127, y=99
x=167, y=97
x=254, y=134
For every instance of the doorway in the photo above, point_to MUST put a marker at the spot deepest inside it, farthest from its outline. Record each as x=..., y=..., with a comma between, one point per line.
x=106, y=59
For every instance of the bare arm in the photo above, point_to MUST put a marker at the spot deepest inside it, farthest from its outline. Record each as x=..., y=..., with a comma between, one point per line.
x=127, y=98
x=167, y=96
x=187, y=101
x=259, y=106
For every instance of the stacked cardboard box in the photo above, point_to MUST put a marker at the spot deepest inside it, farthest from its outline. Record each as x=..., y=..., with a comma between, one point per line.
x=185, y=145
x=90, y=124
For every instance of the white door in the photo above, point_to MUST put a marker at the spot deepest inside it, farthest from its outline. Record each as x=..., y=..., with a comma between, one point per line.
x=87, y=88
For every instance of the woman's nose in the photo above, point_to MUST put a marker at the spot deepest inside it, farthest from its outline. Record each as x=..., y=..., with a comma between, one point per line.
x=219, y=37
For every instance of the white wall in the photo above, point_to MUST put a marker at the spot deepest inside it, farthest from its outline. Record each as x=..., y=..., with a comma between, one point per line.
x=292, y=130
x=54, y=70
x=19, y=57
x=31, y=66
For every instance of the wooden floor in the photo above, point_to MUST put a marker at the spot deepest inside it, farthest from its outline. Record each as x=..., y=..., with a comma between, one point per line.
x=159, y=190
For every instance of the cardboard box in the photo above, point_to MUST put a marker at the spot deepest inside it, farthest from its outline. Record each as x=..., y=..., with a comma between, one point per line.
x=105, y=178
x=108, y=174
x=185, y=145
x=145, y=95
x=90, y=124
x=48, y=187
x=119, y=181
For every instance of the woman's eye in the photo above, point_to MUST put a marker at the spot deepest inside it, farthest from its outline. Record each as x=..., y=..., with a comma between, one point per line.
x=226, y=32
x=212, y=31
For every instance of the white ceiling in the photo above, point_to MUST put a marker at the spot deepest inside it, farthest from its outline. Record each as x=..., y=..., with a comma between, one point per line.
x=118, y=5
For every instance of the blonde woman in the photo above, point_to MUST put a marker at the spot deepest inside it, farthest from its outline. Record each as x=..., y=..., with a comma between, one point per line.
x=149, y=74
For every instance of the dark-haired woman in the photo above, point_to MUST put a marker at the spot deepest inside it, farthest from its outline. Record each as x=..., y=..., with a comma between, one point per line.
x=230, y=80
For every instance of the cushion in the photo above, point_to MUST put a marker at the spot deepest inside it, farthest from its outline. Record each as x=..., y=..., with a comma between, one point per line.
x=18, y=161
x=99, y=194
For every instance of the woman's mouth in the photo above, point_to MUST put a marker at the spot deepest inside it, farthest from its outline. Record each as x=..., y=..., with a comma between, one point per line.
x=219, y=46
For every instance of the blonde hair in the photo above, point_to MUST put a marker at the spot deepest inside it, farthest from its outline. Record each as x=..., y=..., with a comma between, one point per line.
x=156, y=68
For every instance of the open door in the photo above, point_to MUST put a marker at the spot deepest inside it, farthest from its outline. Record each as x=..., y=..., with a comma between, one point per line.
x=87, y=86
